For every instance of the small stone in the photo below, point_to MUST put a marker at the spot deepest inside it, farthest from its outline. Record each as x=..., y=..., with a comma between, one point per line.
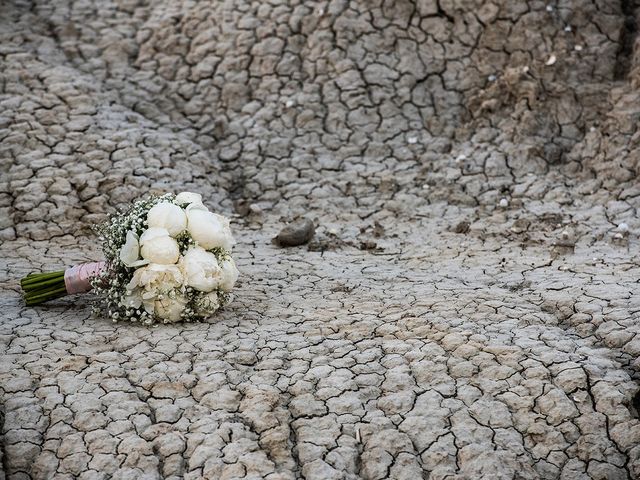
x=568, y=28
x=368, y=245
x=565, y=243
x=551, y=60
x=461, y=227
x=578, y=48
x=549, y=8
x=504, y=203
x=296, y=233
x=241, y=208
x=412, y=140
x=521, y=225
x=378, y=229
x=492, y=78
x=623, y=228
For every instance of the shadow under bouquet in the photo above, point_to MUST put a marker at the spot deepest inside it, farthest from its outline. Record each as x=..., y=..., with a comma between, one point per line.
x=167, y=259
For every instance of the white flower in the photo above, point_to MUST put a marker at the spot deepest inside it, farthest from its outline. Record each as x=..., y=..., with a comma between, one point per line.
x=188, y=197
x=170, y=308
x=154, y=287
x=169, y=216
x=229, y=274
x=200, y=269
x=158, y=247
x=155, y=279
x=196, y=206
x=130, y=251
x=209, y=229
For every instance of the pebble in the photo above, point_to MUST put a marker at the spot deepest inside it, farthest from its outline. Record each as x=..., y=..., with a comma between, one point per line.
x=504, y=203
x=368, y=245
x=462, y=227
x=552, y=59
x=520, y=226
x=296, y=233
x=565, y=243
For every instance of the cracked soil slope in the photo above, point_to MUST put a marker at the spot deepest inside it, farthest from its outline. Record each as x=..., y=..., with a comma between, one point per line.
x=469, y=306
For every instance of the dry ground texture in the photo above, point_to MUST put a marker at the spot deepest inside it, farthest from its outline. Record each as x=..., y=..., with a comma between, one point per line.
x=469, y=306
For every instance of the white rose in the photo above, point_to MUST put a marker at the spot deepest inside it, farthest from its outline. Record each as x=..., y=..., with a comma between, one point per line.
x=188, y=197
x=155, y=279
x=130, y=251
x=200, y=269
x=209, y=229
x=229, y=274
x=208, y=304
x=169, y=216
x=170, y=308
x=158, y=247
x=154, y=287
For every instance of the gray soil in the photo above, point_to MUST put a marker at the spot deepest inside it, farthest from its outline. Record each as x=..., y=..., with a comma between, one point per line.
x=468, y=307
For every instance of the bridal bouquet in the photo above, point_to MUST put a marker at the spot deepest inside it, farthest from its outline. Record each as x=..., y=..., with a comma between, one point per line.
x=168, y=258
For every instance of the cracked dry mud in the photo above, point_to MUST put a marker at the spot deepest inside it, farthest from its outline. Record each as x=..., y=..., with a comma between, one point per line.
x=468, y=307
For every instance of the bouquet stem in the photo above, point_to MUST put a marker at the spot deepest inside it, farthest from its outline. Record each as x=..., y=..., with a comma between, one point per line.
x=41, y=287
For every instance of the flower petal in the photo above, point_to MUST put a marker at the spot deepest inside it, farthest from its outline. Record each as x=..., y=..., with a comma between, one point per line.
x=130, y=251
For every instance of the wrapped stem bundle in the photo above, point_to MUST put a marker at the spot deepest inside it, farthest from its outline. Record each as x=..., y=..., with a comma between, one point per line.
x=41, y=287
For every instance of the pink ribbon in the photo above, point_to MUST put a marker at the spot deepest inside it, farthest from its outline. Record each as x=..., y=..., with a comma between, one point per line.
x=77, y=279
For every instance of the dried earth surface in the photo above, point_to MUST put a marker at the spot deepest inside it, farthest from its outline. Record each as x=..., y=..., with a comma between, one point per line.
x=468, y=307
